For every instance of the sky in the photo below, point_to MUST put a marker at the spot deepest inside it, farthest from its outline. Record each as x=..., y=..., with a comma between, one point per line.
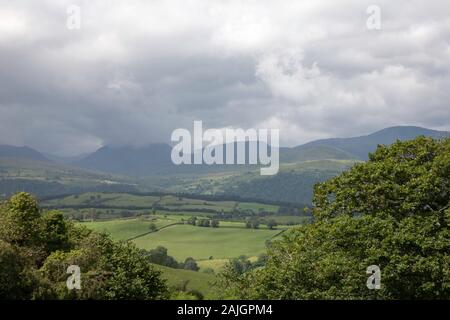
x=136, y=70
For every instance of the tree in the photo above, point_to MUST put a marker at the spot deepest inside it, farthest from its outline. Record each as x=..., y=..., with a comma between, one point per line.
x=17, y=279
x=215, y=223
x=240, y=265
x=203, y=223
x=56, y=231
x=159, y=256
x=252, y=223
x=20, y=222
x=392, y=211
x=110, y=270
x=132, y=276
x=402, y=180
x=271, y=224
x=191, y=264
x=36, y=249
x=192, y=220
x=152, y=226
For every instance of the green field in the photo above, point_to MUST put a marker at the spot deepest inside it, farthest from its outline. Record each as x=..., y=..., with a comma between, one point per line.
x=230, y=240
x=170, y=203
x=184, y=241
x=215, y=264
x=123, y=229
x=203, y=282
x=256, y=207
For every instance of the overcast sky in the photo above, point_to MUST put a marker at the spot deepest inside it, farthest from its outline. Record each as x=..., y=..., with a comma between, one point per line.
x=136, y=70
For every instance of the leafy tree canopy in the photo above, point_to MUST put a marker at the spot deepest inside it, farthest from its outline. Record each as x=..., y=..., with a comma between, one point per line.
x=392, y=211
x=37, y=248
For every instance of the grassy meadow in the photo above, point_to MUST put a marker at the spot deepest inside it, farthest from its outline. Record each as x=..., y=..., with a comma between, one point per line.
x=184, y=241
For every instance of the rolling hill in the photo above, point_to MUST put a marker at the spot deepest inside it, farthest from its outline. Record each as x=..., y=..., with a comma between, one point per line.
x=360, y=147
x=46, y=178
x=128, y=160
x=21, y=153
x=150, y=168
x=155, y=159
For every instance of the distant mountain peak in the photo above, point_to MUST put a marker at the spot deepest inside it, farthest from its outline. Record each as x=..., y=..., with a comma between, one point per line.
x=22, y=152
x=361, y=146
x=155, y=158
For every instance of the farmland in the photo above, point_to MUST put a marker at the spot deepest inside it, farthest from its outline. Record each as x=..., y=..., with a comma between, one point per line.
x=230, y=240
x=184, y=241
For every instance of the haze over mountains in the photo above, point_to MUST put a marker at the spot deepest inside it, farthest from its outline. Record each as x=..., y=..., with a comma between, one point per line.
x=150, y=168
x=155, y=158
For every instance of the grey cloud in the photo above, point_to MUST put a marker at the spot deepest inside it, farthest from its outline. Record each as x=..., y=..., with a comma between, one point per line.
x=137, y=70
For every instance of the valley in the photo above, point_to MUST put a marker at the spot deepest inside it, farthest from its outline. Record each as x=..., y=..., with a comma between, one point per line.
x=200, y=217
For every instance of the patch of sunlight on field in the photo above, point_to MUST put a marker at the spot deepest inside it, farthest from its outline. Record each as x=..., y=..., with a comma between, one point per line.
x=215, y=264
x=184, y=241
x=125, y=228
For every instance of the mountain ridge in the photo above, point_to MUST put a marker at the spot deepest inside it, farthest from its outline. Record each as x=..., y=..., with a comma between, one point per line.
x=23, y=152
x=155, y=158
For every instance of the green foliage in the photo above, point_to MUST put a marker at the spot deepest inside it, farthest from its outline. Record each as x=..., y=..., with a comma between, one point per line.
x=191, y=264
x=132, y=276
x=20, y=220
x=152, y=227
x=240, y=265
x=405, y=179
x=203, y=223
x=186, y=280
x=110, y=270
x=215, y=223
x=159, y=256
x=391, y=211
x=35, y=251
x=271, y=223
x=55, y=231
x=17, y=280
x=252, y=223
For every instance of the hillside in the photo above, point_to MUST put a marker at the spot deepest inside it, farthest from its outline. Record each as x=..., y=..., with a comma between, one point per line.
x=361, y=146
x=155, y=159
x=192, y=280
x=294, y=183
x=128, y=160
x=313, y=152
x=44, y=178
x=21, y=153
x=150, y=169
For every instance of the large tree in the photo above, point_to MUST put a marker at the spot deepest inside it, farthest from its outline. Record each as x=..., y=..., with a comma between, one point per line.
x=391, y=211
x=36, y=249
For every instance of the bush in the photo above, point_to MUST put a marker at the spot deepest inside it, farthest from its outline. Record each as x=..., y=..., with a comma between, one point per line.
x=191, y=264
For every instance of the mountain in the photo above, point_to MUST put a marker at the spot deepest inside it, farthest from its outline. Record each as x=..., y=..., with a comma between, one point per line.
x=154, y=159
x=25, y=169
x=7, y=151
x=128, y=160
x=150, y=168
x=360, y=147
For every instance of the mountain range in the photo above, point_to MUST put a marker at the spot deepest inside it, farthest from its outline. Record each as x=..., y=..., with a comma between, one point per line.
x=155, y=158
x=150, y=168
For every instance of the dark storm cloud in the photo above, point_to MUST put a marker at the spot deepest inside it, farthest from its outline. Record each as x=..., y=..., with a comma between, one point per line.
x=137, y=70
